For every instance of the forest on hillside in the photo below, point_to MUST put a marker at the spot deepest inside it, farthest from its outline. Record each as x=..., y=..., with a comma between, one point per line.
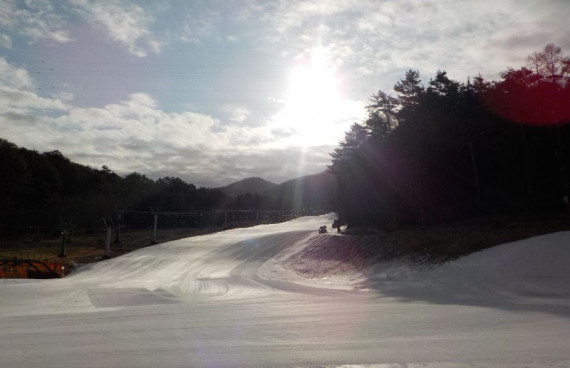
x=442, y=150
x=44, y=189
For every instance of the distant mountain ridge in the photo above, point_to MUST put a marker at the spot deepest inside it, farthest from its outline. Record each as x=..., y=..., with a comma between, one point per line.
x=249, y=185
x=316, y=191
x=310, y=192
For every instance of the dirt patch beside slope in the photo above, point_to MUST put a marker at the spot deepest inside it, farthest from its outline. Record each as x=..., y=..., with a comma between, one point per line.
x=331, y=254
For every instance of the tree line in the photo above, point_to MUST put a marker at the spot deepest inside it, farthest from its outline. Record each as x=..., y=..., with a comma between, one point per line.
x=443, y=150
x=38, y=189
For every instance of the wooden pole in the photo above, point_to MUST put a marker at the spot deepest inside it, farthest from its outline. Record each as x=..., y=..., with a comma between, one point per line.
x=155, y=228
x=108, y=244
x=118, y=230
x=63, y=250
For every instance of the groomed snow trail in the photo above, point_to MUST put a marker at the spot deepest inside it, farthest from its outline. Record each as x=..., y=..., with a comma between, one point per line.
x=224, y=300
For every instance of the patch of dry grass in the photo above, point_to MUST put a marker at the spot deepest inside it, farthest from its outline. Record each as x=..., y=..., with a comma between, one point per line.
x=356, y=249
x=88, y=248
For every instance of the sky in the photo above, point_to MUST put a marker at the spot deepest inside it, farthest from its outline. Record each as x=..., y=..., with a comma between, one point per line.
x=217, y=91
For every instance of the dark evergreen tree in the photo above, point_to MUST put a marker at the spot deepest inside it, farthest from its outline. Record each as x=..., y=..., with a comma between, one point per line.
x=454, y=150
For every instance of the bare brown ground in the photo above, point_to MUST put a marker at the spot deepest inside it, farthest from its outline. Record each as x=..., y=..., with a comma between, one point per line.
x=334, y=254
x=84, y=248
x=326, y=254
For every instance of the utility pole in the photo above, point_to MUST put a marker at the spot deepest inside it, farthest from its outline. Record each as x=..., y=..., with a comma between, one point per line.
x=155, y=226
x=118, y=230
x=109, y=227
x=63, y=249
x=66, y=224
x=108, y=244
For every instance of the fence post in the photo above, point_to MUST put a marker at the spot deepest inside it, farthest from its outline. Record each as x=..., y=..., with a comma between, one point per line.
x=63, y=250
x=155, y=227
x=108, y=244
x=118, y=230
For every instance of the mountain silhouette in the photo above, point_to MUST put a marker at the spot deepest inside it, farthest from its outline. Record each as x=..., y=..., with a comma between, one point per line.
x=249, y=185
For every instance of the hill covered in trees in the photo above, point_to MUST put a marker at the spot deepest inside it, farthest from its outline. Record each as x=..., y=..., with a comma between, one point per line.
x=307, y=194
x=38, y=189
x=249, y=185
x=41, y=187
x=443, y=150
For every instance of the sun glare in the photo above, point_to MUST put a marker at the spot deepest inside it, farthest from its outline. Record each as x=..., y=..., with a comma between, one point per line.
x=314, y=81
x=313, y=100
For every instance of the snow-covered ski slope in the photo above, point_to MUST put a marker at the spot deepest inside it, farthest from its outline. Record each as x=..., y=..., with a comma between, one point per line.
x=223, y=300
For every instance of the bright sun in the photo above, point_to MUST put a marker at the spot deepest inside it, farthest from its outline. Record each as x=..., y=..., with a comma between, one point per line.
x=313, y=100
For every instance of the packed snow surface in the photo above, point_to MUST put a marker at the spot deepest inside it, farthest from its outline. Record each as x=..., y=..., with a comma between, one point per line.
x=237, y=299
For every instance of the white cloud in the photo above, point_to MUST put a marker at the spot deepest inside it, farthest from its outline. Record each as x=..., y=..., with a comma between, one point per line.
x=35, y=20
x=60, y=36
x=19, y=105
x=201, y=24
x=132, y=135
x=135, y=135
x=213, y=19
x=11, y=76
x=126, y=24
x=5, y=41
x=137, y=119
x=285, y=16
x=24, y=114
x=236, y=113
x=388, y=37
x=14, y=100
x=64, y=96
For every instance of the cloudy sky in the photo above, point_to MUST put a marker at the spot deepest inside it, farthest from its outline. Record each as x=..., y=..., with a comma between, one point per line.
x=215, y=91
